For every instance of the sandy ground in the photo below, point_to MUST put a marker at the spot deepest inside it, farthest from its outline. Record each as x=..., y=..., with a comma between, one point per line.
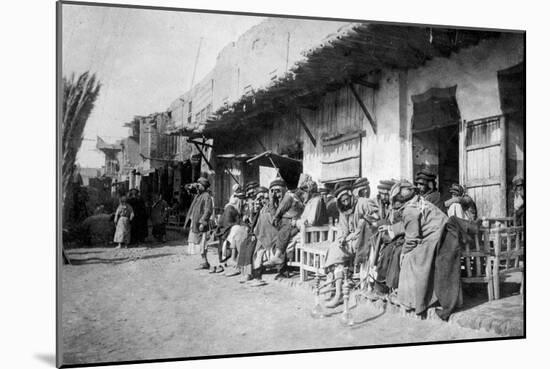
x=150, y=303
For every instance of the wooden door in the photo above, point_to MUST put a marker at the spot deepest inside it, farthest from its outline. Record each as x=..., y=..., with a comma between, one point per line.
x=483, y=164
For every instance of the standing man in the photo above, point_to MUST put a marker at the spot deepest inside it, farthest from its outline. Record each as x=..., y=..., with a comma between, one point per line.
x=158, y=217
x=265, y=233
x=139, y=226
x=199, y=216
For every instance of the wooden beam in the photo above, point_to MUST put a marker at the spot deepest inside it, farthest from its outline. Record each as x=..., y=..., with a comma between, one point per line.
x=199, y=143
x=362, y=82
x=261, y=144
x=303, y=124
x=203, y=156
x=363, y=107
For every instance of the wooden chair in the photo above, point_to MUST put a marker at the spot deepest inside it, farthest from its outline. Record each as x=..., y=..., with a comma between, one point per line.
x=498, y=222
x=475, y=265
x=497, y=252
x=507, y=254
x=311, y=253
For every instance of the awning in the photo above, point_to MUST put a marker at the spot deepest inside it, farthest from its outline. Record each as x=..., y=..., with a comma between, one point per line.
x=289, y=169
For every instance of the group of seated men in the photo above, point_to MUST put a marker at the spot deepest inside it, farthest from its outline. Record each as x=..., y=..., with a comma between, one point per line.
x=407, y=234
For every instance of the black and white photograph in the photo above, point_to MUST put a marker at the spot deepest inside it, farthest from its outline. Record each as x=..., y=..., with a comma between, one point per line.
x=238, y=184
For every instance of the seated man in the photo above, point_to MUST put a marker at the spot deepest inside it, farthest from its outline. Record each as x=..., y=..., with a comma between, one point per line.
x=231, y=216
x=387, y=249
x=330, y=203
x=423, y=225
x=460, y=204
x=518, y=189
x=315, y=210
x=361, y=188
x=425, y=183
x=355, y=223
x=288, y=211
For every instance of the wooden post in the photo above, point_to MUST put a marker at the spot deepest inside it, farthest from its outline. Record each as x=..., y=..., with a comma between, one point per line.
x=363, y=107
x=496, y=265
x=503, y=188
x=306, y=128
x=203, y=156
x=462, y=165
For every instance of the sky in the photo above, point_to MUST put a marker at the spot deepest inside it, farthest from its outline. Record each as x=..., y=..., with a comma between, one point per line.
x=143, y=58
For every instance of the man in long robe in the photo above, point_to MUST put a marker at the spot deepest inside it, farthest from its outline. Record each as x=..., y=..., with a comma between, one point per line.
x=288, y=211
x=199, y=216
x=385, y=262
x=231, y=215
x=354, y=230
x=423, y=225
x=265, y=234
x=139, y=226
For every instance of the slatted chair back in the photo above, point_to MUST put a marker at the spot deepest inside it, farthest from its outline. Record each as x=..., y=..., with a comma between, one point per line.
x=508, y=250
x=314, y=243
x=475, y=267
x=499, y=222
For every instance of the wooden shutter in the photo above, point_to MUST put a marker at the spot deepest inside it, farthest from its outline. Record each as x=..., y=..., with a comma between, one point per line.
x=483, y=164
x=341, y=158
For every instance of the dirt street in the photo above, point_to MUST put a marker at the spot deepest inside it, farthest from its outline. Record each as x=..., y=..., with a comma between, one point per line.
x=150, y=303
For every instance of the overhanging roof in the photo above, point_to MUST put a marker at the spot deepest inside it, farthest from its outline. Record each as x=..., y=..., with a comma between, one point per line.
x=344, y=57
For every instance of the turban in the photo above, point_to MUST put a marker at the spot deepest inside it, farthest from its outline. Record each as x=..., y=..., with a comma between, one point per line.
x=518, y=180
x=456, y=189
x=277, y=182
x=341, y=188
x=251, y=185
x=360, y=183
x=402, y=191
x=261, y=189
x=204, y=181
x=385, y=185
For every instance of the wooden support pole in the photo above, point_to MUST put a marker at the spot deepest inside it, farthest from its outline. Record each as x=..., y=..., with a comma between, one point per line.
x=203, y=156
x=303, y=124
x=363, y=107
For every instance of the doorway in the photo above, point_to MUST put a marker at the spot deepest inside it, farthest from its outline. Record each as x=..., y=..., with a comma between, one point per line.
x=435, y=139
